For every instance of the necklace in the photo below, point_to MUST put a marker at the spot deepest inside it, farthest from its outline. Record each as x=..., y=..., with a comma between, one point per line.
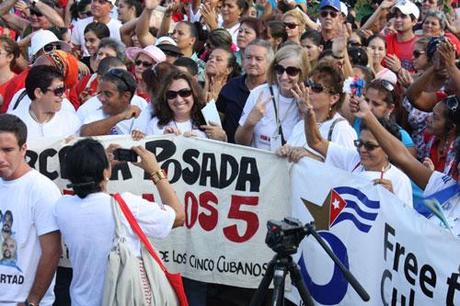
x=35, y=118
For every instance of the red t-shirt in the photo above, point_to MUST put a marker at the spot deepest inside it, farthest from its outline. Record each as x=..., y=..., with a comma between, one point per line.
x=74, y=94
x=402, y=49
x=14, y=85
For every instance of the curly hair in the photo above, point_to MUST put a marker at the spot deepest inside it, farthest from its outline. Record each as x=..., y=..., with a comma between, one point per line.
x=162, y=109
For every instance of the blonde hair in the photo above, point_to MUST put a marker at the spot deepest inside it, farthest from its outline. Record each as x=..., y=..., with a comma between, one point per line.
x=297, y=15
x=289, y=51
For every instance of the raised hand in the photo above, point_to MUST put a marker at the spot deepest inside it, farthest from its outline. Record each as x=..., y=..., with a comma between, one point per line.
x=259, y=109
x=358, y=106
x=302, y=97
x=151, y=4
x=393, y=63
x=148, y=161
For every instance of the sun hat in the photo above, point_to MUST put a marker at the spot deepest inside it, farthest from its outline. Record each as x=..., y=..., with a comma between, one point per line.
x=151, y=51
x=41, y=38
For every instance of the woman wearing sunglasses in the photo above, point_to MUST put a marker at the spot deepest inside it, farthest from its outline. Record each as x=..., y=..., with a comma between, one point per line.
x=144, y=59
x=368, y=159
x=295, y=25
x=45, y=116
x=178, y=109
x=325, y=92
x=436, y=185
x=271, y=111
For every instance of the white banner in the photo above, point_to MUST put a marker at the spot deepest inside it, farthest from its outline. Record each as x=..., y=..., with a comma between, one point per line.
x=397, y=255
x=229, y=193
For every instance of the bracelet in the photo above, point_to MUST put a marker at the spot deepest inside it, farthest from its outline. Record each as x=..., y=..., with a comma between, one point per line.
x=157, y=176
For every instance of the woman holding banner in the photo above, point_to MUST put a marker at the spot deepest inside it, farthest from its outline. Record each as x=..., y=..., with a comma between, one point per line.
x=89, y=232
x=271, y=110
x=437, y=186
x=367, y=160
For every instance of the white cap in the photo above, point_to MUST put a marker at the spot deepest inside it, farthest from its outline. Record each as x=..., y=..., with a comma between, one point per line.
x=165, y=40
x=407, y=8
x=343, y=8
x=43, y=37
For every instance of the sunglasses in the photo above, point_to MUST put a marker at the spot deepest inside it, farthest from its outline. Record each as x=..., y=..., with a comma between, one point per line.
x=315, y=87
x=184, y=93
x=290, y=25
x=333, y=14
x=119, y=74
x=367, y=145
x=417, y=53
x=452, y=103
x=58, y=92
x=291, y=71
x=144, y=64
x=36, y=13
x=51, y=47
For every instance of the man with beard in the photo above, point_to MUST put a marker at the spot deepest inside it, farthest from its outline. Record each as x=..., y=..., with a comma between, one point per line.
x=232, y=98
x=7, y=224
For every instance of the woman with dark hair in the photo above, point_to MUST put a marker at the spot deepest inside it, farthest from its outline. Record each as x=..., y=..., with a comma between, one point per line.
x=377, y=50
x=9, y=52
x=218, y=38
x=220, y=68
x=433, y=183
x=89, y=167
x=154, y=77
x=276, y=34
x=94, y=32
x=250, y=29
x=178, y=109
x=312, y=42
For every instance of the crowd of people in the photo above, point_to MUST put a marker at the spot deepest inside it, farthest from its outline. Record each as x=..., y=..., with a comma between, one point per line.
x=376, y=95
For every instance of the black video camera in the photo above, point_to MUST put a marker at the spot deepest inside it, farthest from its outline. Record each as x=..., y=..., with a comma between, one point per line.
x=284, y=236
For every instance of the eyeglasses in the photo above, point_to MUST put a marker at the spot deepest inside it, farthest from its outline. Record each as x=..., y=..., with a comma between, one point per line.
x=36, y=13
x=452, y=103
x=333, y=14
x=367, y=145
x=291, y=71
x=417, y=53
x=184, y=93
x=58, y=91
x=290, y=25
x=144, y=64
x=119, y=74
x=315, y=87
x=51, y=47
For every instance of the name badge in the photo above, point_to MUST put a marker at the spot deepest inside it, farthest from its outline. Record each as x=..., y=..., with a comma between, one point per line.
x=275, y=143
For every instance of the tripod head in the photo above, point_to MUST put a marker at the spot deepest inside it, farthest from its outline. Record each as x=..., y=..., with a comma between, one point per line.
x=284, y=236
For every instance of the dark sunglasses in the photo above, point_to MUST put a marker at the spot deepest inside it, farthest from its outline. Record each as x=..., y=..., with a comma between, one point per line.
x=452, y=103
x=36, y=13
x=144, y=64
x=119, y=74
x=417, y=53
x=51, y=47
x=184, y=93
x=290, y=25
x=58, y=92
x=291, y=71
x=333, y=14
x=367, y=145
x=315, y=87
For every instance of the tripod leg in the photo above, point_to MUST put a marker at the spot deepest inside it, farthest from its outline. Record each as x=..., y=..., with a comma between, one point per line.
x=279, y=277
x=258, y=297
x=299, y=284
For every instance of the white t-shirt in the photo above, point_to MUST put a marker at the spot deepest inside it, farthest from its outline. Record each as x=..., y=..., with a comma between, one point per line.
x=342, y=132
x=30, y=200
x=93, y=112
x=349, y=160
x=78, y=35
x=266, y=128
x=24, y=104
x=64, y=123
x=451, y=208
x=187, y=126
x=88, y=226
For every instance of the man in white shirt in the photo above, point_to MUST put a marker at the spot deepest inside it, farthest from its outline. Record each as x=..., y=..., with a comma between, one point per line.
x=31, y=235
x=101, y=11
x=118, y=115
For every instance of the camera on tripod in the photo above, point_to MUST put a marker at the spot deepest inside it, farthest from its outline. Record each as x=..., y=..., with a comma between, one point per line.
x=284, y=236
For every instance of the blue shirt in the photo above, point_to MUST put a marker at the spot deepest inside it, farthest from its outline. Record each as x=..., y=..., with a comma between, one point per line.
x=405, y=137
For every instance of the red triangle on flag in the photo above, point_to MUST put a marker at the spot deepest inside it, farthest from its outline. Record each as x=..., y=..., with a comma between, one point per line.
x=336, y=205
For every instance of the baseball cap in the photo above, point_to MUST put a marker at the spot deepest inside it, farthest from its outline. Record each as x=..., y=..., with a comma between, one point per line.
x=335, y=4
x=41, y=38
x=343, y=8
x=407, y=8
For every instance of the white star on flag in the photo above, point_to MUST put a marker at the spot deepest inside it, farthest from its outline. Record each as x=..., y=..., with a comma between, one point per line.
x=336, y=204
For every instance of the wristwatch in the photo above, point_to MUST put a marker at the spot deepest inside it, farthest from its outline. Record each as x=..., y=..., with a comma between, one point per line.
x=27, y=303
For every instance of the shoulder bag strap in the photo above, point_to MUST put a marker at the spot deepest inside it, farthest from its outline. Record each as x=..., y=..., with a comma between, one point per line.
x=331, y=129
x=21, y=96
x=137, y=229
x=277, y=119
